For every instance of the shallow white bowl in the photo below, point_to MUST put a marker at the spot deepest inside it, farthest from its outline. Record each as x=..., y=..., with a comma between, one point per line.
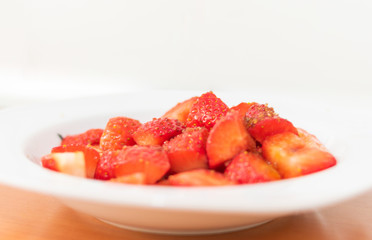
x=28, y=132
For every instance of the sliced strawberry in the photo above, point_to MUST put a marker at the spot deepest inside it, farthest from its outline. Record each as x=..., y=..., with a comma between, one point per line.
x=157, y=131
x=150, y=160
x=271, y=126
x=186, y=151
x=257, y=112
x=228, y=138
x=292, y=156
x=106, y=165
x=263, y=122
x=91, y=156
x=48, y=161
x=242, y=108
x=249, y=167
x=199, y=177
x=206, y=110
x=181, y=110
x=119, y=133
x=310, y=139
x=134, y=178
x=72, y=163
x=90, y=137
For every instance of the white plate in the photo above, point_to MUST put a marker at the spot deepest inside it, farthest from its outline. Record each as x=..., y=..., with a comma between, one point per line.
x=28, y=132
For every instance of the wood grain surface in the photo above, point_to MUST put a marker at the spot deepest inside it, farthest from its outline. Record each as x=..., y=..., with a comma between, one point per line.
x=27, y=215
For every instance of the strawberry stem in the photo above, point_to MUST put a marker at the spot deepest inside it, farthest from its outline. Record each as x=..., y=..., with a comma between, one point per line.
x=60, y=136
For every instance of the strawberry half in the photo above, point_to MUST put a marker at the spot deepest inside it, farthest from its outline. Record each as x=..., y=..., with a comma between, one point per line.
x=149, y=160
x=106, y=165
x=242, y=108
x=310, y=139
x=91, y=156
x=118, y=133
x=90, y=137
x=250, y=167
x=186, y=151
x=262, y=121
x=47, y=161
x=71, y=163
x=293, y=156
x=257, y=112
x=181, y=110
x=199, y=177
x=157, y=131
x=206, y=110
x=228, y=138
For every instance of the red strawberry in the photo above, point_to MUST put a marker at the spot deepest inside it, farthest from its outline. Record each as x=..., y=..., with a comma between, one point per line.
x=106, y=165
x=262, y=122
x=91, y=156
x=72, y=163
x=181, y=110
x=48, y=161
x=269, y=127
x=157, y=131
x=118, y=133
x=292, y=156
x=310, y=140
x=150, y=160
x=228, y=138
x=134, y=178
x=91, y=137
x=186, y=151
x=206, y=110
x=242, y=108
x=257, y=112
x=250, y=167
x=199, y=177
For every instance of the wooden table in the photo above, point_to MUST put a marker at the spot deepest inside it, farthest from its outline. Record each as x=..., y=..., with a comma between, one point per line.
x=26, y=215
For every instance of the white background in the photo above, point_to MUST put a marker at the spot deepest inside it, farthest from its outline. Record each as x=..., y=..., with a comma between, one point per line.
x=71, y=48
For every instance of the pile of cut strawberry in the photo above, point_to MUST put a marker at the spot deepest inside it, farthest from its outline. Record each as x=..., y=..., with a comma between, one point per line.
x=198, y=142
